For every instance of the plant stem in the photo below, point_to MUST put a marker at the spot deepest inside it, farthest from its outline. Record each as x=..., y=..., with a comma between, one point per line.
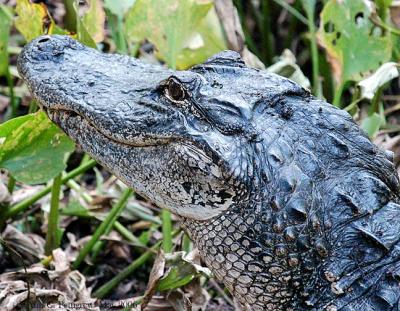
x=292, y=11
x=338, y=95
x=186, y=243
x=375, y=102
x=127, y=234
x=120, y=38
x=13, y=102
x=309, y=7
x=52, y=237
x=266, y=32
x=107, y=223
x=33, y=107
x=110, y=285
x=166, y=230
x=10, y=184
x=23, y=205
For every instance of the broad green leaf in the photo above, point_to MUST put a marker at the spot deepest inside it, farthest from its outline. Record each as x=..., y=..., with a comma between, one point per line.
x=371, y=124
x=352, y=42
x=207, y=41
x=34, y=20
x=119, y=8
x=33, y=149
x=94, y=19
x=383, y=75
x=5, y=26
x=168, y=24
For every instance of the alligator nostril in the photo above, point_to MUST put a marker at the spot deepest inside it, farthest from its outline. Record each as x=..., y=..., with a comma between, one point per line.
x=43, y=40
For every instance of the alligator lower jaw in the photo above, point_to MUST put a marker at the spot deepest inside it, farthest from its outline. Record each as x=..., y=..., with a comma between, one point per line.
x=60, y=117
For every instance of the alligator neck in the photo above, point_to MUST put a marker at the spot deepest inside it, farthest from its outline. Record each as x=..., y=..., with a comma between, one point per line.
x=267, y=264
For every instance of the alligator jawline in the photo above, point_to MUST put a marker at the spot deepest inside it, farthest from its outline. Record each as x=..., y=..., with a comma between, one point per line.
x=57, y=116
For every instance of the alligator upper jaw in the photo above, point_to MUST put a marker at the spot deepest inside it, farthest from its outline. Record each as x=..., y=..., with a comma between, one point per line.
x=113, y=94
x=60, y=116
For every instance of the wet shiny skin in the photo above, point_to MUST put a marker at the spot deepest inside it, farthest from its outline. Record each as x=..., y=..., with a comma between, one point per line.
x=289, y=203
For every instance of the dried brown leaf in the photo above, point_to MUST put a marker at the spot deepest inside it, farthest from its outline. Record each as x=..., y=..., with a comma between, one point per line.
x=198, y=296
x=24, y=192
x=52, y=286
x=395, y=12
x=230, y=21
x=179, y=301
x=159, y=303
x=4, y=194
x=28, y=245
x=156, y=274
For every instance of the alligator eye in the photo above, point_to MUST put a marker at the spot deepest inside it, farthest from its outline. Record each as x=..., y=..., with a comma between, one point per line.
x=176, y=91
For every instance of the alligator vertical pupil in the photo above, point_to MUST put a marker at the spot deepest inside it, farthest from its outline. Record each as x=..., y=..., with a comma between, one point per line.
x=176, y=91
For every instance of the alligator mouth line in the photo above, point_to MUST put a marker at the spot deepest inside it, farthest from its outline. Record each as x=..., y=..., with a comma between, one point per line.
x=59, y=117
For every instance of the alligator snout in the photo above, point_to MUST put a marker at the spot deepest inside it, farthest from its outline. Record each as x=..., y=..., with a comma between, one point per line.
x=48, y=48
x=51, y=45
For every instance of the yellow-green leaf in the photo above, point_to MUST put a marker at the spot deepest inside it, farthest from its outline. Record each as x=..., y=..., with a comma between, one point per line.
x=207, y=41
x=353, y=43
x=5, y=26
x=94, y=19
x=34, y=20
x=33, y=149
x=168, y=24
x=82, y=34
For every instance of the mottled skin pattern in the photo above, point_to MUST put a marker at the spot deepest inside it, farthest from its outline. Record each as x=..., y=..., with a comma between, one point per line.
x=289, y=203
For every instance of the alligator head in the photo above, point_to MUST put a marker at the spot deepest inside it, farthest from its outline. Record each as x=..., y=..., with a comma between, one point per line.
x=172, y=136
x=281, y=192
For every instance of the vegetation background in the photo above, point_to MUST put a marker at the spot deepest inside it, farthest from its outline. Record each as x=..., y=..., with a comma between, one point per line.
x=72, y=233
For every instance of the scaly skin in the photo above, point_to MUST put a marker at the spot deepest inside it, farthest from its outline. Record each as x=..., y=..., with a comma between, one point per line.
x=289, y=203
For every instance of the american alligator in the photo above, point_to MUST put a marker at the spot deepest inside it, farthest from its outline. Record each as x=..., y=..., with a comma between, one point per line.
x=288, y=201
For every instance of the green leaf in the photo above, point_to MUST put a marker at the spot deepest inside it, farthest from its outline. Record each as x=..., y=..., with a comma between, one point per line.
x=353, y=44
x=383, y=6
x=82, y=34
x=119, y=8
x=181, y=270
x=5, y=26
x=205, y=42
x=34, y=20
x=33, y=149
x=93, y=20
x=371, y=124
x=168, y=24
